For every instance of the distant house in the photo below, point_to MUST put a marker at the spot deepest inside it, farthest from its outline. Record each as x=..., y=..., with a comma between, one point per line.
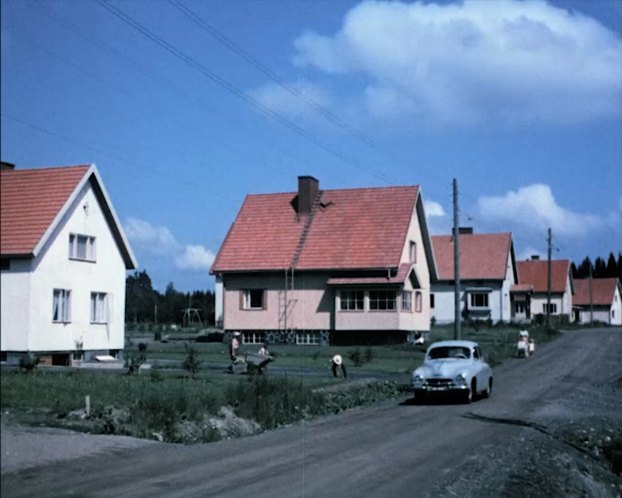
x=64, y=256
x=487, y=273
x=533, y=287
x=327, y=266
x=597, y=300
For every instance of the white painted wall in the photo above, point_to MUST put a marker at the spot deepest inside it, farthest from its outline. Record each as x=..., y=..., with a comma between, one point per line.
x=53, y=269
x=15, y=306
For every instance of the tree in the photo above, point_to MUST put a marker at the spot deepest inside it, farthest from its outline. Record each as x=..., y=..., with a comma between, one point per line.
x=140, y=298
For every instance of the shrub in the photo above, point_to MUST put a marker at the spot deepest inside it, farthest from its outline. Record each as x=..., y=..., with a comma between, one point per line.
x=191, y=362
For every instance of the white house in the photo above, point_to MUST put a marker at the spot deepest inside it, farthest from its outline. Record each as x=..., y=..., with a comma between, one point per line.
x=327, y=266
x=533, y=283
x=64, y=259
x=597, y=300
x=487, y=273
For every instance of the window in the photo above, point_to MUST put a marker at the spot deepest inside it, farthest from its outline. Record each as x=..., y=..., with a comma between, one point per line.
x=253, y=299
x=432, y=301
x=253, y=337
x=61, y=305
x=407, y=300
x=308, y=338
x=418, y=301
x=412, y=251
x=520, y=308
x=81, y=247
x=5, y=264
x=352, y=300
x=381, y=300
x=99, y=307
x=479, y=300
x=553, y=308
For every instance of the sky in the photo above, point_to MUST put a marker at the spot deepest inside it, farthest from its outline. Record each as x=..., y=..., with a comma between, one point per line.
x=187, y=106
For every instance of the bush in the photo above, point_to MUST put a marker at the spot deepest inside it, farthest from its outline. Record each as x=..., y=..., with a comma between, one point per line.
x=191, y=362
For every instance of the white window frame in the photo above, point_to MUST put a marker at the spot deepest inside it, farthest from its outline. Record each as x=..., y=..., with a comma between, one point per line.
x=352, y=300
x=308, y=338
x=61, y=306
x=418, y=301
x=553, y=309
x=253, y=337
x=75, y=245
x=382, y=300
x=100, y=307
x=248, y=296
x=407, y=300
x=473, y=297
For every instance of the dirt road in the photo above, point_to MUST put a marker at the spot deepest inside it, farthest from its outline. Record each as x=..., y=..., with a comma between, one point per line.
x=520, y=442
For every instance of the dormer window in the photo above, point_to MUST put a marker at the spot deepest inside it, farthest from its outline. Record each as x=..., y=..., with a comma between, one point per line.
x=81, y=247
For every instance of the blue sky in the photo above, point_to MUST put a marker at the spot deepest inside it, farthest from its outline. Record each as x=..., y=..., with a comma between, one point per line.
x=187, y=106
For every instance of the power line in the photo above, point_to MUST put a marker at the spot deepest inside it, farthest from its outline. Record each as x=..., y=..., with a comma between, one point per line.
x=130, y=21
x=234, y=47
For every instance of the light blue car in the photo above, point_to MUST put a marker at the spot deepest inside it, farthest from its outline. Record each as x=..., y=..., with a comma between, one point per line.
x=453, y=367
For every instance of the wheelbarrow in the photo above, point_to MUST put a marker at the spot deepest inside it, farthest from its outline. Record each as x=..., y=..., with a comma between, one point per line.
x=251, y=363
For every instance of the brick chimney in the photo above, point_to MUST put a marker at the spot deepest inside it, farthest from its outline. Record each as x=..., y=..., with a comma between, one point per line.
x=308, y=187
x=6, y=166
x=535, y=257
x=465, y=230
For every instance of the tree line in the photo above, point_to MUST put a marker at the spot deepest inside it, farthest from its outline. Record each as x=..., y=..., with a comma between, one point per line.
x=600, y=268
x=144, y=304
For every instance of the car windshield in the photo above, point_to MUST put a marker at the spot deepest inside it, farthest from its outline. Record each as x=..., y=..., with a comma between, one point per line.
x=441, y=352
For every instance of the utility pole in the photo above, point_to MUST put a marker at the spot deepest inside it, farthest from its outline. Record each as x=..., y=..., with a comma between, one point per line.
x=591, y=299
x=457, y=317
x=548, y=280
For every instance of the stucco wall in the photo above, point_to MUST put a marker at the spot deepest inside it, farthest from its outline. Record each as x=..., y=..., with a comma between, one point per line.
x=14, y=306
x=53, y=269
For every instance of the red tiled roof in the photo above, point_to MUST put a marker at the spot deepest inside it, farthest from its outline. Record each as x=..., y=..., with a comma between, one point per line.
x=536, y=274
x=521, y=288
x=603, y=290
x=482, y=256
x=30, y=199
x=355, y=228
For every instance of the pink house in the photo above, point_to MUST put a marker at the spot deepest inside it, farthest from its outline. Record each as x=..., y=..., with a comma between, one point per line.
x=327, y=266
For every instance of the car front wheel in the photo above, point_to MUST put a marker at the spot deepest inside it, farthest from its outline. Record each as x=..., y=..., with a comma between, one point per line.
x=488, y=390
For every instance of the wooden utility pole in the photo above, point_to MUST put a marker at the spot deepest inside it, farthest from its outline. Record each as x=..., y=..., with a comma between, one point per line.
x=591, y=299
x=548, y=280
x=457, y=317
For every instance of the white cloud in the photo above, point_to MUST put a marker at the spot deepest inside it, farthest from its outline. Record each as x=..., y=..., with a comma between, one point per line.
x=195, y=258
x=534, y=209
x=473, y=61
x=160, y=241
x=433, y=209
x=157, y=240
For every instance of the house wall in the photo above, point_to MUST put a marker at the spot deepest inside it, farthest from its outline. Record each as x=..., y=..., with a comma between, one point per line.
x=52, y=269
x=15, y=305
x=616, y=308
x=310, y=302
x=498, y=300
x=607, y=314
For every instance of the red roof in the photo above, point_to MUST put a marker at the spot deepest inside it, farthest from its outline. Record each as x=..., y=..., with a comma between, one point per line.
x=603, y=290
x=536, y=274
x=30, y=199
x=482, y=256
x=352, y=229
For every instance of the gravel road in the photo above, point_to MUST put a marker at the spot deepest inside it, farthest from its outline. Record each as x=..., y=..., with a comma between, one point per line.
x=541, y=434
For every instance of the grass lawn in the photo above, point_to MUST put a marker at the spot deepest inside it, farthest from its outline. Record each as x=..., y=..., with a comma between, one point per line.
x=179, y=407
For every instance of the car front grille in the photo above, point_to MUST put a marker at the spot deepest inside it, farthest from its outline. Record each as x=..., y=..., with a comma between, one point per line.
x=439, y=382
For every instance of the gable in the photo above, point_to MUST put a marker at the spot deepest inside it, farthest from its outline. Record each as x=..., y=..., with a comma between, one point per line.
x=34, y=201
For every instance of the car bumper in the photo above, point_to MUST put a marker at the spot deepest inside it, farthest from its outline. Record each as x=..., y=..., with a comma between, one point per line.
x=454, y=389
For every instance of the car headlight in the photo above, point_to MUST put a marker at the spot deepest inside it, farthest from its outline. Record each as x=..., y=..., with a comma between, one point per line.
x=417, y=380
x=461, y=380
